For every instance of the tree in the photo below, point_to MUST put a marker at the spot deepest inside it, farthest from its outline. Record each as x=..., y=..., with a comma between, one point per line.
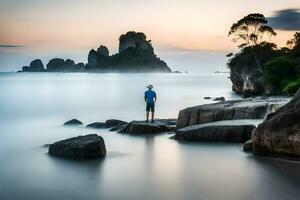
x=252, y=30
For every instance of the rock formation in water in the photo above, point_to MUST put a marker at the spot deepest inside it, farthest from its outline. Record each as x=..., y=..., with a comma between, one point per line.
x=251, y=108
x=35, y=66
x=136, y=54
x=221, y=131
x=61, y=65
x=280, y=132
x=82, y=147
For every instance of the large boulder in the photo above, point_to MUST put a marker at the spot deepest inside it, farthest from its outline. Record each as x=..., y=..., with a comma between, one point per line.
x=141, y=127
x=82, y=147
x=73, y=122
x=252, y=108
x=280, y=132
x=222, y=131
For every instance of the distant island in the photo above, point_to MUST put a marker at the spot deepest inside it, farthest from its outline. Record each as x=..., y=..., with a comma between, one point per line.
x=136, y=54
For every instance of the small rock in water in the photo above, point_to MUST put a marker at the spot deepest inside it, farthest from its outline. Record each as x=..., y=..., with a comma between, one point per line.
x=73, y=122
x=219, y=99
x=81, y=147
x=207, y=98
x=96, y=125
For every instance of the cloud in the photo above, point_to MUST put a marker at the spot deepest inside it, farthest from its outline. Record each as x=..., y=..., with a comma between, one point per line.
x=287, y=19
x=10, y=46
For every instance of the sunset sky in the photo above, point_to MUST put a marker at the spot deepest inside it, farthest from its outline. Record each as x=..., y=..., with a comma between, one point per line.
x=171, y=25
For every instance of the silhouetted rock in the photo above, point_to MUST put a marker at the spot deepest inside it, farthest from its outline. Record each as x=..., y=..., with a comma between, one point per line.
x=96, y=125
x=248, y=146
x=280, y=132
x=73, y=122
x=221, y=131
x=134, y=40
x=103, y=50
x=207, y=98
x=82, y=147
x=141, y=127
x=136, y=54
x=113, y=123
x=61, y=65
x=252, y=108
x=36, y=66
x=26, y=69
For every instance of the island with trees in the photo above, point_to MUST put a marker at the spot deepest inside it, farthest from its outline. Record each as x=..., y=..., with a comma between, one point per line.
x=136, y=54
x=260, y=67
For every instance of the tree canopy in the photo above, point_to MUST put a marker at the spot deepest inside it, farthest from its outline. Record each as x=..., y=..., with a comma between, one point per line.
x=251, y=30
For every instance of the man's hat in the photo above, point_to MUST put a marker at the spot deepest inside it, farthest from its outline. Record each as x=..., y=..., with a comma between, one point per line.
x=149, y=86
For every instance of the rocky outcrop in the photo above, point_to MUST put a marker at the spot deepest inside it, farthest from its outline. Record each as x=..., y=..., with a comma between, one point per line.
x=61, y=65
x=35, y=66
x=82, y=147
x=136, y=54
x=142, y=127
x=247, y=81
x=134, y=40
x=280, y=132
x=73, y=122
x=114, y=123
x=252, y=108
x=222, y=131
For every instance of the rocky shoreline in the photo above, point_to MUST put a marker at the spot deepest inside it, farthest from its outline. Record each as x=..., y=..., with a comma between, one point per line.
x=232, y=121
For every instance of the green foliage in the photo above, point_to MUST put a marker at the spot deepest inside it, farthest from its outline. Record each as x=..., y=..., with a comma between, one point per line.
x=278, y=73
x=291, y=87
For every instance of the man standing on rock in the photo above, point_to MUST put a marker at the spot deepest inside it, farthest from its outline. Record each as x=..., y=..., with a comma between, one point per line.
x=150, y=99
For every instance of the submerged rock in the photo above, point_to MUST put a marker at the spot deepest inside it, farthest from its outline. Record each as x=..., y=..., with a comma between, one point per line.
x=252, y=108
x=219, y=99
x=280, y=132
x=222, y=131
x=81, y=147
x=96, y=125
x=142, y=127
x=73, y=122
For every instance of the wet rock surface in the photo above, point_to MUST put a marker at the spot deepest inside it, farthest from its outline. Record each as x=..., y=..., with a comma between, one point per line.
x=280, y=132
x=223, y=131
x=251, y=108
x=142, y=127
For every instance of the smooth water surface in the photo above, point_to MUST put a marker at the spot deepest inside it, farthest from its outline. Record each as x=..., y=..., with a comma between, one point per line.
x=34, y=105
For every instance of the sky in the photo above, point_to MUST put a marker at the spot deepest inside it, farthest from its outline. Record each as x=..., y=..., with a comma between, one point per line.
x=173, y=26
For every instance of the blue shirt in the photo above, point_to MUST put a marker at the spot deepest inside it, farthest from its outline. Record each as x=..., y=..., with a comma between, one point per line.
x=149, y=96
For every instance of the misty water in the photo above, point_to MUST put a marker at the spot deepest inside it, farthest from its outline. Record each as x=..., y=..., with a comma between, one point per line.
x=35, y=105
